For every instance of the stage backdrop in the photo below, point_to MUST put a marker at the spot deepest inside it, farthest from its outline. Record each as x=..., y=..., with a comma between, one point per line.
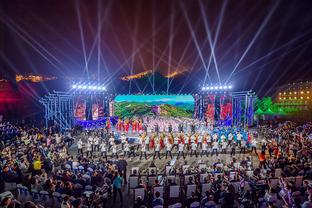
x=148, y=105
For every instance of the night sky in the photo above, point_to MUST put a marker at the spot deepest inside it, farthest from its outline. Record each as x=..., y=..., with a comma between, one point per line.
x=257, y=44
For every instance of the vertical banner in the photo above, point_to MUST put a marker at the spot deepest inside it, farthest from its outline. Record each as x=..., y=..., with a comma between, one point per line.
x=225, y=108
x=80, y=108
x=97, y=107
x=210, y=110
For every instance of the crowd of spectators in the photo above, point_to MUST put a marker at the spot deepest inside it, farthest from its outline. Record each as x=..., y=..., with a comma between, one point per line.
x=40, y=161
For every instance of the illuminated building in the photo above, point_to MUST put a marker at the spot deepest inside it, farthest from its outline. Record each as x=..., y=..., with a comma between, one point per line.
x=295, y=95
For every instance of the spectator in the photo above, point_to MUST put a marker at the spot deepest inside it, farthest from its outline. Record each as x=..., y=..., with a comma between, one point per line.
x=117, y=183
x=158, y=200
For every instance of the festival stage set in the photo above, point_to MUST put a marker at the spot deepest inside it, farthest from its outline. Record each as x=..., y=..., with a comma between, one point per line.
x=92, y=106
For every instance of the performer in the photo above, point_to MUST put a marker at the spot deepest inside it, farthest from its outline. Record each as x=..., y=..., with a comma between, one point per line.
x=215, y=137
x=147, y=141
x=157, y=150
x=132, y=151
x=126, y=149
x=215, y=148
x=233, y=148
x=200, y=140
x=181, y=150
x=224, y=146
x=119, y=125
x=254, y=147
x=223, y=138
x=90, y=140
x=114, y=151
x=103, y=149
x=108, y=124
x=175, y=142
x=204, y=149
x=168, y=149
x=143, y=151
x=230, y=138
x=243, y=147
x=80, y=145
x=96, y=142
x=89, y=149
x=239, y=138
x=194, y=149
x=140, y=142
x=123, y=139
x=111, y=141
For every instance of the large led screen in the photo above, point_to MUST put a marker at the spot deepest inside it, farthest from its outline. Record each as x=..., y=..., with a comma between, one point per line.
x=127, y=106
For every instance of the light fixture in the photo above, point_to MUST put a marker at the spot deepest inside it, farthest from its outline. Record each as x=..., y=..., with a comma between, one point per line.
x=89, y=87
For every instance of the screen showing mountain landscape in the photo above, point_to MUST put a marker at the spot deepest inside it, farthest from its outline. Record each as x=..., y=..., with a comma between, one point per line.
x=149, y=105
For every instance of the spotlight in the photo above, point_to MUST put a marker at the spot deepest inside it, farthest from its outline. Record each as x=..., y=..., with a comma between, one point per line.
x=225, y=87
x=230, y=87
x=93, y=87
x=79, y=87
x=84, y=87
x=215, y=88
x=90, y=87
x=203, y=88
x=98, y=88
x=74, y=86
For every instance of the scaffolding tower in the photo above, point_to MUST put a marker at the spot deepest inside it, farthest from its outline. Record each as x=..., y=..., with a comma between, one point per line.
x=59, y=109
x=243, y=108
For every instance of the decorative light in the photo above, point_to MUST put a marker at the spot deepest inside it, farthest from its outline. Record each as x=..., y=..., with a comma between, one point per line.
x=308, y=92
x=295, y=93
x=284, y=93
x=280, y=93
x=220, y=87
x=88, y=87
x=301, y=92
x=301, y=98
x=295, y=98
x=308, y=97
x=290, y=93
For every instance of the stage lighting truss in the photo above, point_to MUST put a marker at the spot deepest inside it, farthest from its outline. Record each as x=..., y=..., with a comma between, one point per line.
x=83, y=87
x=217, y=88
